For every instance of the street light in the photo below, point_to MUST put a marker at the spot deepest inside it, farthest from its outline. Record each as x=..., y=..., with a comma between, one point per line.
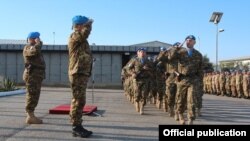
x=221, y=30
x=54, y=34
x=215, y=18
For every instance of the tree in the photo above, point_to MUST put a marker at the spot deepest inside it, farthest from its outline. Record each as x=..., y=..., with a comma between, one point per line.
x=207, y=65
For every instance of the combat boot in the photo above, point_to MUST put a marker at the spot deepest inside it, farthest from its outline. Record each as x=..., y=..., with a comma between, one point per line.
x=32, y=119
x=176, y=117
x=141, y=108
x=80, y=131
x=181, y=119
x=165, y=107
x=158, y=104
x=137, y=106
x=132, y=100
x=190, y=122
x=171, y=112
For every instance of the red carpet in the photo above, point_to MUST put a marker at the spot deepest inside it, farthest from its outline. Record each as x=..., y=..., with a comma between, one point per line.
x=65, y=108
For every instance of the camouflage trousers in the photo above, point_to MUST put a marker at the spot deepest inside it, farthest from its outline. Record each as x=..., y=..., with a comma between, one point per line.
x=33, y=89
x=141, y=91
x=78, y=84
x=161, y=88
x=199, y=94
x=186, y=99
x=171, y=94
x=239, y=90
x=152, y=87
x=233, y=90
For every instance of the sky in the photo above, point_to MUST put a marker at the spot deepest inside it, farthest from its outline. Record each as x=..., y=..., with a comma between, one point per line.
x=128, y=22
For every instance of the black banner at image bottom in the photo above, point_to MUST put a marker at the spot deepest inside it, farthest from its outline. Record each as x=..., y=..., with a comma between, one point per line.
x=200, y=132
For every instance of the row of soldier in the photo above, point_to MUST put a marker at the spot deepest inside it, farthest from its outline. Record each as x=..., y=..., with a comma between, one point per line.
x=233, y=84
x=174, y=79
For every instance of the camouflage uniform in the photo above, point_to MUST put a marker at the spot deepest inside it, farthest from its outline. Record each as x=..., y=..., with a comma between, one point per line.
x=245, y=85
x=80, y=65
x=227, y=85
x=152, y=84
x=222, y=80
x=161, y=85
x=127, y=83
x=217, y=83
x=171, y=68
x=239, y=88
x=189, y=71
x=233, y=85
x=33, y=74
x=141, y=78
x=160, y=79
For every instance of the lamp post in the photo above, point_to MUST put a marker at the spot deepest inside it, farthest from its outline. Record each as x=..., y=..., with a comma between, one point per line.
x=54, y=34
x=215, y=18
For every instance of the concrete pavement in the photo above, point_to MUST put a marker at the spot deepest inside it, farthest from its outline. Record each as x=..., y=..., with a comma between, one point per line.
x=119, y=120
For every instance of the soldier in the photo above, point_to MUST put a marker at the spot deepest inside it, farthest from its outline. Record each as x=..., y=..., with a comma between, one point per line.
x=245, y=85
x=248, y=81
x=33, y=75
x=233, y=84
x=160, y=79
x=217, y=83
x=171, y=68
x=222, y=81
x=141, y=71
x=152, y=98
x=188, y=76
x=127, y=83
x=80, y=65
x=227, y=86
x=239, y=78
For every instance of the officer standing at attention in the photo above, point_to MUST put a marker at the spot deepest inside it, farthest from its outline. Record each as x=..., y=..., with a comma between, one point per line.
x=80, y=65
x=33, y=75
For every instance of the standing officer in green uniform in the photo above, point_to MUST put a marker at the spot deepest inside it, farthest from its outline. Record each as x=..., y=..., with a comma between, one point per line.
x=80, y=65
x=188, y=75
x=33, y=75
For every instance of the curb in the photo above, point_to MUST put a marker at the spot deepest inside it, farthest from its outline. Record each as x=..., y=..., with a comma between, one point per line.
x=16, y=92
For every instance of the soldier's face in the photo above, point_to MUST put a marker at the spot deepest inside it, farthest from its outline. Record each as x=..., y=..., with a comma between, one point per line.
x=190, y=43
x=32, y=41
x=141, y=54
x=78, y=27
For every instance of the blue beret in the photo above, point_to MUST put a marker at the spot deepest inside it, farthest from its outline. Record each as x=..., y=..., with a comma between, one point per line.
x=80, y=19
x=177, y=44
x=34, y=35
x=190, y=37
x=141, y=49
x=162, y=48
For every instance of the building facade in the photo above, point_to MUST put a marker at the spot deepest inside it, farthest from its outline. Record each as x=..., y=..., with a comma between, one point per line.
x=242, y=63
x=107, y=66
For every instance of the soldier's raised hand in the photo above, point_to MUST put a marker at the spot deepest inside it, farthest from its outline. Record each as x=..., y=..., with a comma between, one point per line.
x=37, y=40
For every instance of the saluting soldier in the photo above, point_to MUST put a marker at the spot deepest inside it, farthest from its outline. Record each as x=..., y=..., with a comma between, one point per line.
x=80, y=65
x=189, y=74
x=33, y=75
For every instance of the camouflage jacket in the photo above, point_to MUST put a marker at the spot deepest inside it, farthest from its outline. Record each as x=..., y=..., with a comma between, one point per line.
x=34, y=61
x=138, y=68
x=189, y=67
x=80, y=56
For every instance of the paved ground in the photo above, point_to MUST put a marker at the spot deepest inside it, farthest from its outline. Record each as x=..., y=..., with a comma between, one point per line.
x=119, y=120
